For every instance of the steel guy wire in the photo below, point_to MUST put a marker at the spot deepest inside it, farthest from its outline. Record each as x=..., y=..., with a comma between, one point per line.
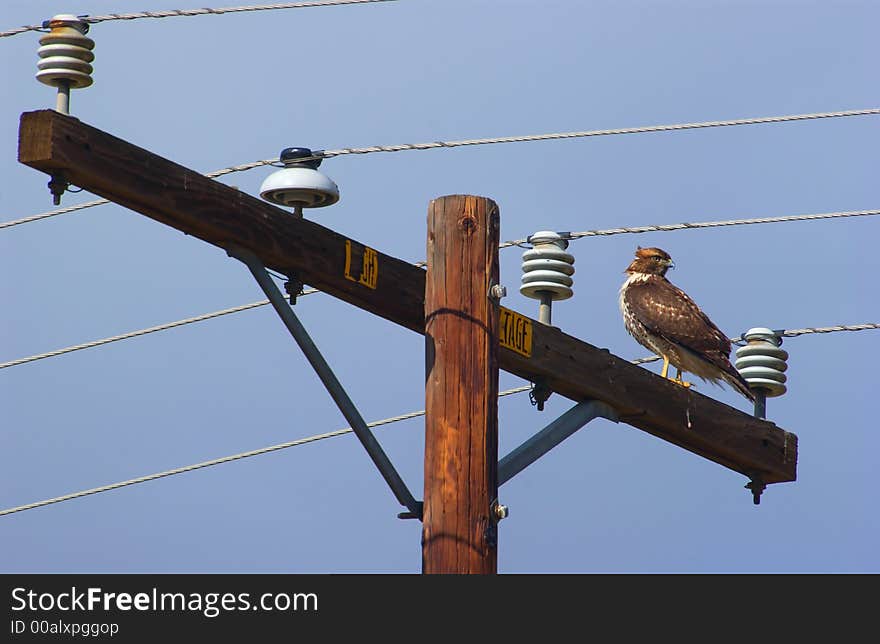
x=173, y=13
x=325, y=154
x=224, y=459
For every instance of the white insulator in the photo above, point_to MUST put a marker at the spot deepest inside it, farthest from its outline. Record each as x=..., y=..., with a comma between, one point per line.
x=299, y=184
x=762, y=363
x=547, y=268
x=66, y=53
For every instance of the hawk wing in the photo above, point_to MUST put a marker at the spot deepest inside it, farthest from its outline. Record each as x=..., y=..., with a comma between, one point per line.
x=667, y=311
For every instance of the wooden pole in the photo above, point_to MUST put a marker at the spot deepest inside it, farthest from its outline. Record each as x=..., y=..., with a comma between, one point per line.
x=461, y=388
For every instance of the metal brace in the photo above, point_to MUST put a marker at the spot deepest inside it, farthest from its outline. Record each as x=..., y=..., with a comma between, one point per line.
x=330, y=382
x=549, y=437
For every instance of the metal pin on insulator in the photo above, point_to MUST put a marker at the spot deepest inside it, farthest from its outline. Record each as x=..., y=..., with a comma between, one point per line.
x=65, y=57
x=762, y=364
x=547, y=271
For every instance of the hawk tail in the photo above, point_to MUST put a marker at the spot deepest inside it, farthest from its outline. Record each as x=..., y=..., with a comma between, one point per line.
x=731, y=375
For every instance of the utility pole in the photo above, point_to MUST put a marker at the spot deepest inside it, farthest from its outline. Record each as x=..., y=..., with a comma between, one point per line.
x=469, y=337
x=461, y=387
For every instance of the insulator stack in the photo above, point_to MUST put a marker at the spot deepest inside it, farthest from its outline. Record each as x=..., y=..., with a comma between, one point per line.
x=762, y=363
x=65, y=57
x=547, y=271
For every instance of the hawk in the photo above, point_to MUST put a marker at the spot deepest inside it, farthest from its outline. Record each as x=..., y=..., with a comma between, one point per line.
x=661, y=317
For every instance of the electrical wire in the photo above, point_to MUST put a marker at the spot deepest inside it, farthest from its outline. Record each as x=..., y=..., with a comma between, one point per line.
x=348, y=430
x=324, y=154
x=245, y=307
x=224, y=459
x=702, y=224
x=140, y=332
x=174, y=13
x=790, y=333
x=53, y=213
x=100, y=202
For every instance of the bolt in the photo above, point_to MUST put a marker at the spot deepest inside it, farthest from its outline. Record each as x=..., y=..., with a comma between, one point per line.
x=496, y=291
x=501, y=512
x=57, y=186
x=757, y=486
x=294, y=288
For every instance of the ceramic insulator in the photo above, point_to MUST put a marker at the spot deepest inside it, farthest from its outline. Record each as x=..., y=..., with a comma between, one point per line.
x=66, y=53
x=762, y=363
x=547, y=267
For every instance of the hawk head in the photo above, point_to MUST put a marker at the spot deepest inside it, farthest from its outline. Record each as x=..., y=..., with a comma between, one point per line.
x=651, y=261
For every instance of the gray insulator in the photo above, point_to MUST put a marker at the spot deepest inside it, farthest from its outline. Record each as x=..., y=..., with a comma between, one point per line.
x=547, y=268
x=66, y=53
x=762, y=363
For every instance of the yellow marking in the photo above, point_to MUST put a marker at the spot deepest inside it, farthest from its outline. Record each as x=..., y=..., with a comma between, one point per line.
x=515, y=332
x=369, y=274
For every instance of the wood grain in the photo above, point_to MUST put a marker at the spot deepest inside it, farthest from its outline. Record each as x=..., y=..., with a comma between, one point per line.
x=461, y=387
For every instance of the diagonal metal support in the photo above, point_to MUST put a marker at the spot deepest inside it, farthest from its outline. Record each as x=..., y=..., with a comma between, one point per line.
x=328, y=378
x=549, y=437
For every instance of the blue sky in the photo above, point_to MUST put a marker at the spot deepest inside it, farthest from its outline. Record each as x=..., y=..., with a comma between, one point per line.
x=215, y=91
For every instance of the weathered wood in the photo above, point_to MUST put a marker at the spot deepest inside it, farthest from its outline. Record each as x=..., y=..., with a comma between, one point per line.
x=221, y=215
x=461, y=387
x=218, y=214
x=703, y=425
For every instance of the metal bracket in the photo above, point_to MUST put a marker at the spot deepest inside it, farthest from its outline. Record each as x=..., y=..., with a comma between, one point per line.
x=757, y=486
x=539, y=393
x=413, y=515
x=549, y=437
x=57, y=186
x=328, y=378
x=293, y=287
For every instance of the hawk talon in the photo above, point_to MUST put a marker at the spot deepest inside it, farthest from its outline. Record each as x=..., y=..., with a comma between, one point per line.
x=681, y=382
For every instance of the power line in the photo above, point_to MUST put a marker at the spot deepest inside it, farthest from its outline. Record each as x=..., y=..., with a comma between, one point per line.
x=100, y=202
x=704, y=224
x=224, y=459
x=173, y=13
x=52, y=213
x=134, y=334
x=791, y=333
x=613, y=231
x=347, y=430
x=324, y=154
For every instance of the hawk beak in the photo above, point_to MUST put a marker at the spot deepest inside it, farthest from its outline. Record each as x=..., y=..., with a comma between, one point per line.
x=670, y=263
